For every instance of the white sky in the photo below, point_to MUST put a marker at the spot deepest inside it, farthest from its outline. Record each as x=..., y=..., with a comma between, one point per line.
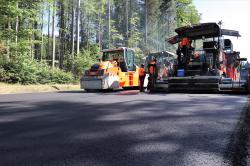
x=235, y=15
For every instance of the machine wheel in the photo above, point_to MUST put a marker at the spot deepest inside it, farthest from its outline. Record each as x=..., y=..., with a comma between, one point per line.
x=248, y=88
x=89, y=90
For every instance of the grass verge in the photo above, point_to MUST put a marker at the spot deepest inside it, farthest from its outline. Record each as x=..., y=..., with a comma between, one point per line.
x=17, y=88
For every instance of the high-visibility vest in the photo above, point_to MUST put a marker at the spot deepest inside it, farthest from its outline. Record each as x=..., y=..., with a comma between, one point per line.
x=165, y=72
x=185, y=42
x=141, y=72
x=152, y=67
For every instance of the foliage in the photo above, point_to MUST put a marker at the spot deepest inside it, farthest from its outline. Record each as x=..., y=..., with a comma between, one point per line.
x=3, y=49
x=26, y=71
x=186, y=13
x=138, y=56
x=85, y=60
x=135, y=35
x=26, y=49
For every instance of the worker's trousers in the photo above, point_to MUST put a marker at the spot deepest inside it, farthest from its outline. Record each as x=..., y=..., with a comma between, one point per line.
x=141, y=82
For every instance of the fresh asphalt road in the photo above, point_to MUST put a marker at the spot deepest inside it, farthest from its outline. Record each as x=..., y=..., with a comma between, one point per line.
x=110, y=129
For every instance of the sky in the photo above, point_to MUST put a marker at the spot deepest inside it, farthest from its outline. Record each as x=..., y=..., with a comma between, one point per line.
x=235, y=15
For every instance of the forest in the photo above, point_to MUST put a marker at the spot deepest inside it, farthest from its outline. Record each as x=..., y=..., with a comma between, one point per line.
x=53, y=41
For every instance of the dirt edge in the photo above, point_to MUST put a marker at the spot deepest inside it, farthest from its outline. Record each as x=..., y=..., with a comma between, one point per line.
x=16, y=88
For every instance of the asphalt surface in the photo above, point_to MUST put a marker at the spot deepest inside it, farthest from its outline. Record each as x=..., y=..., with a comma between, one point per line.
x=110, y=129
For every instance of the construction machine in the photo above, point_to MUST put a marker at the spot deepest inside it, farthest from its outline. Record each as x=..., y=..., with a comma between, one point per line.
x=209, y=62
x=115, y=70
x=165, y=63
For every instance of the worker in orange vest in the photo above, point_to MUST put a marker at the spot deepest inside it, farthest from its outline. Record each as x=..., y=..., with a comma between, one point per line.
x=185, y=42
x=152, y=66
x=152, y=74
x=142, y=75
x=184, y=47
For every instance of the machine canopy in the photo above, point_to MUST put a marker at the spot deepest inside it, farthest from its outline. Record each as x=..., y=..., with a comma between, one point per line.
x=199, y=31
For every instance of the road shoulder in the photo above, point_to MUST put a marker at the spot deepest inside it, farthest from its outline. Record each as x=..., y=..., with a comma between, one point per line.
x=239, y=147
x=17, y=88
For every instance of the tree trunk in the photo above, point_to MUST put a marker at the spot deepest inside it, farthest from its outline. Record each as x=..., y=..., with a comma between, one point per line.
x=88, y=29
x=73, y=31
x=109, y=23
x=146, y=23
x=62, y=34
x=99, y=28
x=17, y=24
x=53, y=35
x=127, y=22
x=82, y=33
x=67, y=41
x=8, y=41
x=48, y=53
x=36, y=47
x=78, y=28
x=158, y=35
x=41, y=55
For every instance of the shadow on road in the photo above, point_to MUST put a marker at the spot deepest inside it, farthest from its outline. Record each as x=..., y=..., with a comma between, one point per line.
x=138, y=132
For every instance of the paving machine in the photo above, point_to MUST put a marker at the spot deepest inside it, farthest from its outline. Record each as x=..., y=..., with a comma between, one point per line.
x=209, y=62
x=115, y=70
x=165, y=63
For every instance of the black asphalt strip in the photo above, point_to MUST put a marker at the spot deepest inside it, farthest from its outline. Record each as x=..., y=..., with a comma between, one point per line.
x=237, y=150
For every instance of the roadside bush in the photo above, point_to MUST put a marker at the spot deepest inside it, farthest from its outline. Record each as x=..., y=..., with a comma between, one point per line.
x=44, y=74
x=26, y=71
x=83, y=62
x=2, y=71
x=60, y=77
x=22, y=69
